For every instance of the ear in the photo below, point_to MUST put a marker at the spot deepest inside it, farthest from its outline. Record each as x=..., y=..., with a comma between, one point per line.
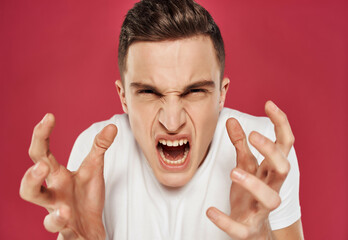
x=223, y=91
x=121, y=93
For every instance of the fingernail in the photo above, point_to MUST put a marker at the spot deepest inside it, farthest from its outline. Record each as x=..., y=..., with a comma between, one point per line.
x=274, y=107
x=238, y=174
x=212, y=214
x=44, y=119
x=57, y=213
x=37, y=170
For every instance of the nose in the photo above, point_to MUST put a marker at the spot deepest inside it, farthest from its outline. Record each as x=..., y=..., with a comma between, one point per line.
x=172, y=116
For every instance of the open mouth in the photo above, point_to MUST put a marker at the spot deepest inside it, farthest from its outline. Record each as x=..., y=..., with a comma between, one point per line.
x=173, y=153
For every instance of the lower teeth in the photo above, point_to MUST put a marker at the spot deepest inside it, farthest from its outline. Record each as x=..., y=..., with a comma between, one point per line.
x=176, y=162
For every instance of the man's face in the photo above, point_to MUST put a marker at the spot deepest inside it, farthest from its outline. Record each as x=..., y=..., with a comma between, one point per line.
x=173, y=95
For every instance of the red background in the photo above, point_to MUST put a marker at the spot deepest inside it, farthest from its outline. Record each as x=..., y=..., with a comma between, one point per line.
x=60, y=57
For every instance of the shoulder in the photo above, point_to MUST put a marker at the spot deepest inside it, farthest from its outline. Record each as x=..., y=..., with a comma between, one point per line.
x=85, y=140
x=248, y=122
x=120, y=120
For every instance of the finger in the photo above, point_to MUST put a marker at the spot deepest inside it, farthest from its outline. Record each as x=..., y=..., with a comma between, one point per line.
x=284, y=136
x=261, y=191
x=225, y=223
x=60, y=237
x=31, y=188
x=57, y=220
x=245, y=159
x=94, y=161
x=39, y=147
x=274, y=156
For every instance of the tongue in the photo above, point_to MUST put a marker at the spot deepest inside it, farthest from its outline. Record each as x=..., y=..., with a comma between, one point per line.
x=173, y=153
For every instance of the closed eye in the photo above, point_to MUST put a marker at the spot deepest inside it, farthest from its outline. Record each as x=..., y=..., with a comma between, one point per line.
x=197, y=90
x=148, y=92
x=194, y=91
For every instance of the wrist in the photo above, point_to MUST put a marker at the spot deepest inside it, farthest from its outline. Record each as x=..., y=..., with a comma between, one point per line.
x=70, y=235
x=268, y=231
x=98, y=234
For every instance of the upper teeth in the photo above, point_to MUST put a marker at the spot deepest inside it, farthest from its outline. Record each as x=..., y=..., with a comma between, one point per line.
x=174, y=143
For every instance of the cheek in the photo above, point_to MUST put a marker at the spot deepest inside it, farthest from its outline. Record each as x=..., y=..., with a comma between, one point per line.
x=204, y=116
x=142, y=107
x=141, y=118
x=204, y=111
x=207, y=123
x=141, y=111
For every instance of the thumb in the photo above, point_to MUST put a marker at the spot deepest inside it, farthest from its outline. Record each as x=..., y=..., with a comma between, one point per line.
x=95, y=159
x=245, y=158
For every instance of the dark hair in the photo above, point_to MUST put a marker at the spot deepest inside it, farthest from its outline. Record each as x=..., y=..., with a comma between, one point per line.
x=159, y=20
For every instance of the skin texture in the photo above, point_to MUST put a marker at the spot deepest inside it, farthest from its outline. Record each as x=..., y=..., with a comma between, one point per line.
x=169, y=87
x=255, y=188
x=170, y=67
x=74, y=200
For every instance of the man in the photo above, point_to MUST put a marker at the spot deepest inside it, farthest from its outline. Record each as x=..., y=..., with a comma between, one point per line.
x=168, y=171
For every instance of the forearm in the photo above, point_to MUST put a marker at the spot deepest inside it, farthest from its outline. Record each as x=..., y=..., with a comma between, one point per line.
x=72, y=236
x=292, y=232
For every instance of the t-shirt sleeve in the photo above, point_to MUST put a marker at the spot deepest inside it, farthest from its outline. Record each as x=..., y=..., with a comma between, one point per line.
x=289, y=210
x=81, y=148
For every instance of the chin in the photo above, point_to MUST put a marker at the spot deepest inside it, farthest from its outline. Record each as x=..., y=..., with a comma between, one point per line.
x=174, y=180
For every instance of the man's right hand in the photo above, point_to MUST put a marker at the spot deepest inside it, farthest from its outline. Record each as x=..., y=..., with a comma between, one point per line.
x=74, y=200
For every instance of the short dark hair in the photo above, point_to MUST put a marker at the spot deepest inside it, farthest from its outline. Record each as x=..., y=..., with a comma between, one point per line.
x=160, y=20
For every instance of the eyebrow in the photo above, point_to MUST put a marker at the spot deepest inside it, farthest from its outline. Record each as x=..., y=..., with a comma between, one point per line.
x=143, y=85
x=203, y=83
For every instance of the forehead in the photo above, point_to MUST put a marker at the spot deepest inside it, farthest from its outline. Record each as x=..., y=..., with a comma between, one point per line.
x=172, y=62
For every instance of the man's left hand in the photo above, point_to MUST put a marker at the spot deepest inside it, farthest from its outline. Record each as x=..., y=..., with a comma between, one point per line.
x=255, y=188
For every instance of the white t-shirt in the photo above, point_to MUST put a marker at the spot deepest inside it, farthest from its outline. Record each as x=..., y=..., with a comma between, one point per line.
x=137, y=206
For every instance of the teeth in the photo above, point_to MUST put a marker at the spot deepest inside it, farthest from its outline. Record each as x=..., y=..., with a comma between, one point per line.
x=181, y=142
x=177, y=162
x=174, y=143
